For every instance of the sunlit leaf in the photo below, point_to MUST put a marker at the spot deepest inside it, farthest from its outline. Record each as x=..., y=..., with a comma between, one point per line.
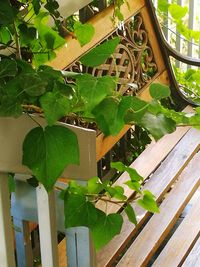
x=83, y=32
x=159, y=91
x=131, y=214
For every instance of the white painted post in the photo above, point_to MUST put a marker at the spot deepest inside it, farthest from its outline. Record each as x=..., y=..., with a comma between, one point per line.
x=47, y=227
x=7, y=257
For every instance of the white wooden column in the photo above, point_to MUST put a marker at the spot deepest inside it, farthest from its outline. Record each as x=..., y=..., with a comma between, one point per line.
x=47, y=227
x=7, y=258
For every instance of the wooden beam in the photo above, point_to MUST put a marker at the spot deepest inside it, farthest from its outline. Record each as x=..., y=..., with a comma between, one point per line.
x=103, y=27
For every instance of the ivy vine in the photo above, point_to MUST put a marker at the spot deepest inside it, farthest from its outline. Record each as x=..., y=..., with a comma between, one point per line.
x=28, y=86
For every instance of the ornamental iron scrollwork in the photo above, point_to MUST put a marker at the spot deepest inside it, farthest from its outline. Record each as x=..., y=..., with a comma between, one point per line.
x=133, y=61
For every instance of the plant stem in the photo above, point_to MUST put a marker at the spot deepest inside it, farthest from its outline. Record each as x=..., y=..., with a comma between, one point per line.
x=34, y=120
x=18, y=52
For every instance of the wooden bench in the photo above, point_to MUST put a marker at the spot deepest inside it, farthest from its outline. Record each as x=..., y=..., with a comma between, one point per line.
x=172, y=172
x=170, y=167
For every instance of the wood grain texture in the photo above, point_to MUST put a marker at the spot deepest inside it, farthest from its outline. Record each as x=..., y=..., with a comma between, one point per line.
x=147, y=162
x=159, y=225
x=193, y=259
x=182, y=240
x=104, y=144
x=103, y=27
x=160, y=181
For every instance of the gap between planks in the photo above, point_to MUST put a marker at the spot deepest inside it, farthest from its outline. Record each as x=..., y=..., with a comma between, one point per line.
x=168, y=171
x=145, y=245
x=181, y=242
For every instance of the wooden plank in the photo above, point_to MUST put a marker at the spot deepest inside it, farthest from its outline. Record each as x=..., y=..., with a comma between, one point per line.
x=7, y=258
x=155, y=153
x=23, y=243
x=62, y=248
x=162, y=179
x=103, y=27
x=80, y=248
x=193, y=259
x=161, y=77
x=104, y=144
x=47, y=227
x=159, y=225
x=182, y=240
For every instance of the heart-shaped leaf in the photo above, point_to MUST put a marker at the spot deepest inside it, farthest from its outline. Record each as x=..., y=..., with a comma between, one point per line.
x=79, y=211
x=159, y=91
x=83, y=32
x=94, y=90
x=55, y=106
x=105, y=228
x=47, y=152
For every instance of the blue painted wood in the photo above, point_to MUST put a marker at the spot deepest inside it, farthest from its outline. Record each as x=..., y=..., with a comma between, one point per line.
x=80, y=247
x=23, y=243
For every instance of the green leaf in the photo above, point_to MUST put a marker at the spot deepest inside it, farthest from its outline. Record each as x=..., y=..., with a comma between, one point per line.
x=5, y=35
x=54, y=148
x=94, y=186
x=131, y=214
x=134, y=175
x=55, y=106
x=94, y=90
x=118, y=166
x=36, y=5
x=7, y=13
x=83, y=32
x=79, y=211
x=10, y=107
x=11, y=182
x=105, y=228
x=134, y=185
x=148, y=202
x=163, y=5
x=158, y=125
x=177, y=11
x=32, y=84
x=159, y=91
x=8, y=68
x=119, y=193
x=106, y=116
x=99, y=54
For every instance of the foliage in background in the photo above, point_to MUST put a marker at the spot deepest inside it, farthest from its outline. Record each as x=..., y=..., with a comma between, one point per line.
x=188, y=80
x=26, y=85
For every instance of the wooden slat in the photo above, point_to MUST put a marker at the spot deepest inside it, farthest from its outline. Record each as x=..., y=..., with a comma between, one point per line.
x=161, y=77
x=159, y=182
x=47, y=227
x=7, y=258
x=155, y=153
x=104, y=144
x=103, y=27
x=159, y=225
x=182, y=240
x=193, y=259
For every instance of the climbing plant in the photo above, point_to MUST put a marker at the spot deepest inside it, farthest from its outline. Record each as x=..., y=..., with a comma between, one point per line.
x=177, y=15
x=28, y=86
